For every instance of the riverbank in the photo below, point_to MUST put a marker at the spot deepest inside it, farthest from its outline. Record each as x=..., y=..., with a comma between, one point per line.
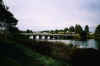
x=61, y=51
x=27, y=52
x=90, y=43
x=85, y=57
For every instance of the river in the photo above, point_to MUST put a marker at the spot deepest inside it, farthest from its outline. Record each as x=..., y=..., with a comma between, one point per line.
x=91, y=43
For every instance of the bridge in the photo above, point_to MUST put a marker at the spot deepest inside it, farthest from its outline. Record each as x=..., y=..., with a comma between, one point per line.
x=49, y=36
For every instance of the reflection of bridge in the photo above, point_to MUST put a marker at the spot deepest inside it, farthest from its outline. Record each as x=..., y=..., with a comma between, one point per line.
x=47, y=36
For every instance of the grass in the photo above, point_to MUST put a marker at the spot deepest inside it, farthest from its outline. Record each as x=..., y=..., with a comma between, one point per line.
x=5, y=61
x=25, y=52
x=21, y=51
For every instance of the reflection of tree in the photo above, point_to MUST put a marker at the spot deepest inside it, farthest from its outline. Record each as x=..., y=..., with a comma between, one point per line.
x=83, y=35
x=98, y=43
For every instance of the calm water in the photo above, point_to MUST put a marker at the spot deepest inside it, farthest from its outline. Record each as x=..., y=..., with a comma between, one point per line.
x=82, y=44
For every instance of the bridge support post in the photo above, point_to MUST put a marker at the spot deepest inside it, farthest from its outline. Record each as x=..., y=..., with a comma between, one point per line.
x=34, y=37
x=51, y=37
x=46, y=37
x=40, y=36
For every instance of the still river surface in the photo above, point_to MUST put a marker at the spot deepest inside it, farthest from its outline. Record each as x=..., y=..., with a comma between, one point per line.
x=81, y=44
x=91, y=43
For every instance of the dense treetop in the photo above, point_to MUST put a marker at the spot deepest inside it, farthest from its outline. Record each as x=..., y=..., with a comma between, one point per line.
x=7, y=17
x=97, y=31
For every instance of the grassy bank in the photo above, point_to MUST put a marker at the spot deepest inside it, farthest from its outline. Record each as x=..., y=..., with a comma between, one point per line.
x=25, y=52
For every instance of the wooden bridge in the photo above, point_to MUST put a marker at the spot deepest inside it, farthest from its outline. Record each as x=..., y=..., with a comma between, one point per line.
x=48, y=36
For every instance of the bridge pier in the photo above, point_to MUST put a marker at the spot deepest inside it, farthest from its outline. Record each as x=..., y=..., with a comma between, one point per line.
x=40, y=36
x=55, y=37
x=34, y=37
x=51, y=37
x=46, y=37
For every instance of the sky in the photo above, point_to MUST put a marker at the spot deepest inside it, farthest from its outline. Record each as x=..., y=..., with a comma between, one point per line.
x=40, y=15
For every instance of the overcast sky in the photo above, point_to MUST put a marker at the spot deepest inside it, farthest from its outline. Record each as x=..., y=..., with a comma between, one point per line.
x=53, y=14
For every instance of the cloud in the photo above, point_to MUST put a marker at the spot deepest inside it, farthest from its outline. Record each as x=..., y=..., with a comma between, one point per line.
x=49, y=14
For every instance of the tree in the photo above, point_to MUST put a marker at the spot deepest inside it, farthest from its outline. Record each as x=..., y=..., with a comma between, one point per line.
x=97, y=32
x=71, y=29
x=86, y=29
x=6, y=17
x=28, y=31
x=52, y=32
x=56, y=31
x=78, y=29
x=65, y=30
x=14, y=30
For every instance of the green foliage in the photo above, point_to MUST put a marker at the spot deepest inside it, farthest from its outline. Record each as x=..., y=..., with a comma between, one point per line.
x=21, y=55
x=78, y=28
x=5, y=61
x=71, y=29
x=91, y=36
x=86, y=29
x=29, y=31
x=84, y=35
x=14, y=29
x=56, y=31
x=70, y=45
x=97, y=32
x=6, y=17
x=0, y=1
x=52, y=32
x=65, y=30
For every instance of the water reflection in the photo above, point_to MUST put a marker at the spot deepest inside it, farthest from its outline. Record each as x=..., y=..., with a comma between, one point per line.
x=97, y=44
x=82, y=44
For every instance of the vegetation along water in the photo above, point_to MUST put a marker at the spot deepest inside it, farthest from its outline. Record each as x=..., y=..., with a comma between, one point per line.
x=64, y=47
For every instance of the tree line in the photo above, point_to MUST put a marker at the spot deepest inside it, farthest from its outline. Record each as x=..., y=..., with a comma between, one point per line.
x=77, y=29
x=9, y=22
x=97, y=32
